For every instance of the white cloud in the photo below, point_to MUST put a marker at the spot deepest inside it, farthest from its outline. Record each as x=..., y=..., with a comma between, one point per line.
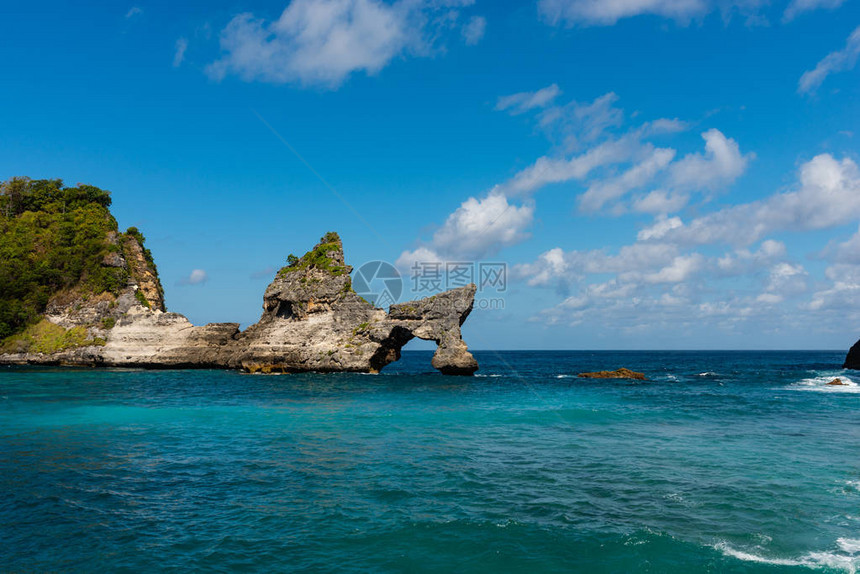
x=576, y=123
x=798, y=6
x=746, y=262
x=828, y=196
x=596, y=291
x=632, y=262
x=639, y=175
x=842, y=295
x=843, y=292
x=132, y=12
x=660, y=227
x=663, y=126
x=197, y=277
x=474, y=30
x=656, y=286
x=638, y=257
x=786, y=279
x=608, y=12
x=839, y=61
x=660, y=202
x=603, y=12
x=548, y=170
x=769, y=298
x=322, y=42
x=549, y=266
x=682, y=12
x=179, y=55
x=420, y=255
x=681, y=293
x=721, y=164
x=681, y=269
x=611, y=169
x=661, y=280
x=845, y=252
x=479, y=227
x=525, y=101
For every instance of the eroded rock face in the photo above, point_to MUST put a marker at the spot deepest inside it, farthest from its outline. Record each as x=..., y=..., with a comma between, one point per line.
x=143, y=274
x=439, y=319
x=312, y=321
x=154, y=339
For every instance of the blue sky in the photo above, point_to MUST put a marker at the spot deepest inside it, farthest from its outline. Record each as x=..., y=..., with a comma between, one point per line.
x=654, y=173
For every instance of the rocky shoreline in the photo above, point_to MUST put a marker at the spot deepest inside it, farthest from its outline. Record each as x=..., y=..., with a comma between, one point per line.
x=312, y=321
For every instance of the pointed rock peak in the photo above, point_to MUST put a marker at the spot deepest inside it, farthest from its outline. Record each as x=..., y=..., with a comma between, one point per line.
x=327, y=255
x=142, y=269
x=311, y=283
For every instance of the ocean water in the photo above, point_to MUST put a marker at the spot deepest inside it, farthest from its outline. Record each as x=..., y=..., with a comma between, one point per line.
x=721, y=462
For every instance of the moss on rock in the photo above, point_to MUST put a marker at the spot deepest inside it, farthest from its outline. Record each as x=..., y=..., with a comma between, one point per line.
x=318, y=258
x=46, y=337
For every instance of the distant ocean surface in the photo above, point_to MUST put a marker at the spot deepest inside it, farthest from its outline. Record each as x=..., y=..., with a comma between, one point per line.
x=722, y=462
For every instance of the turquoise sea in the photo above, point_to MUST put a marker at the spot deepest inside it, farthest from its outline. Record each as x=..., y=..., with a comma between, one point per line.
x=722, y=462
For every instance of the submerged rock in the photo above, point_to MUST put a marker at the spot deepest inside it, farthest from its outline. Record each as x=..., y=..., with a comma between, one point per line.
x=621, y=373
x=836, y=381
x=312, y=321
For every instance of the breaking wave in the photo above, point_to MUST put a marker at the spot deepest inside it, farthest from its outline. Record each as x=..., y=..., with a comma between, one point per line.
x=846, y=559
x=821, y=384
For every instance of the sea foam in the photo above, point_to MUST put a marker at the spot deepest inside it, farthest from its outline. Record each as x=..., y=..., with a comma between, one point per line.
x=820, y=384
x=845, y=560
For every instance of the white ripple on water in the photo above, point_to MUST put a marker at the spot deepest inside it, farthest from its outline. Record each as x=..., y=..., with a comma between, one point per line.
x=845, y=560
x=819, y=384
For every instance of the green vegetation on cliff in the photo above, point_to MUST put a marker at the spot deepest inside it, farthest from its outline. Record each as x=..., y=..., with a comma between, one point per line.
x=318, y=257
x=46, y=337
x=134, y=233
x=53, y=239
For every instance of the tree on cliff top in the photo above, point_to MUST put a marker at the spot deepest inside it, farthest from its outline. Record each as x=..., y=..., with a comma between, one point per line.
x=21, y=194
x=52, y=238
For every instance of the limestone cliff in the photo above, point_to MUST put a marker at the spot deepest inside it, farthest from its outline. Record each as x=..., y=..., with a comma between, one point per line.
x=62, y=255
x=312, y=321
x=142, y=271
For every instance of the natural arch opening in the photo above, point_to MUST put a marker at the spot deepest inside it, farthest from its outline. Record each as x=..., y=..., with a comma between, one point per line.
x=414, y=357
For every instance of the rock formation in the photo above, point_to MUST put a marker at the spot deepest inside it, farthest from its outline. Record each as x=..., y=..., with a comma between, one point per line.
x=312, y=321
x=618, y=374
x=852, y=359
x=836, y=382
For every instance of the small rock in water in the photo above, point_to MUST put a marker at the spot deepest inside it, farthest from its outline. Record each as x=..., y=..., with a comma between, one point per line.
x=836, y=382
x=619, y=374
